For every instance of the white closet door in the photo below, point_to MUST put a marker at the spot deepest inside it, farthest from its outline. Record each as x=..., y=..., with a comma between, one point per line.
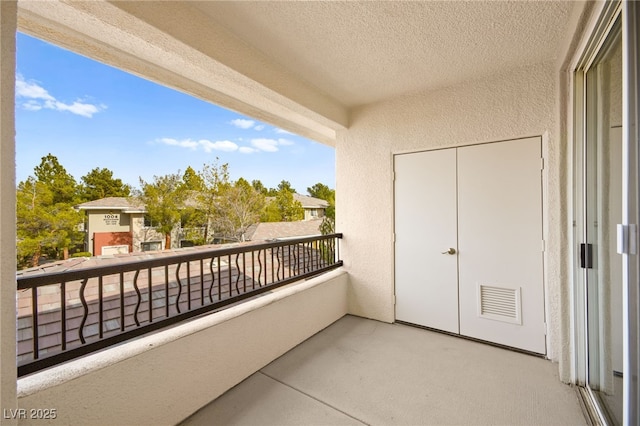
x=500, y=243
x=425, y=227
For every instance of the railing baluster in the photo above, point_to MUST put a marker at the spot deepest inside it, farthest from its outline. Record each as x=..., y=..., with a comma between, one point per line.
x=219, y=279
x=86, y=311
x=121, y=301
x=244, y=273
x=237, y=269
x=100, y=308
x=260, y=269
x=189, y=285
x=253, y=270
x=63, y=314
x=265, y=267
x=34, y=322
x=179, y=287
x=137, y=290
x=150, y=292
x=229, y=273
x=201, y=282
x=213, y=281
x=166, y=290
x=272, y=267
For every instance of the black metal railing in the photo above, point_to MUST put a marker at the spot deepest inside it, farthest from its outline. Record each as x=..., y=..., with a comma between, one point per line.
x=65, y=315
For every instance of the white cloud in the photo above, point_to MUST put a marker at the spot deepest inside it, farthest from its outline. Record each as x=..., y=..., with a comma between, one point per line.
x=40, y=98
x=257, y=145
x=32, y=106
x=226, y=146
x=243, y=124
x=78, y=108
x=27, y=89
x=282, y=131
x=185, y=143
x=269, y=145
x=259, y=127
x=247, y=150
x=204, y=144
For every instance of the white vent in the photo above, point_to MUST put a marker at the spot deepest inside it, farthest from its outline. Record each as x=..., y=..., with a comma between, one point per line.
x=499, y=303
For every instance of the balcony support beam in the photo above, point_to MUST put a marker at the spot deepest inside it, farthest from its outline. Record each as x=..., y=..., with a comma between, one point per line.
x=8, y=371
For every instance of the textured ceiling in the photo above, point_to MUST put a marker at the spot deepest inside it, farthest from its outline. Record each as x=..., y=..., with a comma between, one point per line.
x=363, y=52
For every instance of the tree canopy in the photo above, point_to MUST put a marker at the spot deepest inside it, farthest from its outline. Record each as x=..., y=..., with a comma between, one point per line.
x=322, y=191
x=164, y=199
x=283, y=207
x=100, y=183
x=238, y=209
x=47, y=224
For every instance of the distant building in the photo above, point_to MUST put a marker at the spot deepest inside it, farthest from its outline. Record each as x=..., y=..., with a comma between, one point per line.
x=117, y=225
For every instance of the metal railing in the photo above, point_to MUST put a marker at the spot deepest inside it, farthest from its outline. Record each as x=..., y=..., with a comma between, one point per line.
x=65, y=315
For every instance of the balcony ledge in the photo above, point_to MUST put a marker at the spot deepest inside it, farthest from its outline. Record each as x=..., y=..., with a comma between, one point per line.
x=33, y=390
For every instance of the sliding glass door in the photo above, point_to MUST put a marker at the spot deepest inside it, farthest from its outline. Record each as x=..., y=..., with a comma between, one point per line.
x=601, y=264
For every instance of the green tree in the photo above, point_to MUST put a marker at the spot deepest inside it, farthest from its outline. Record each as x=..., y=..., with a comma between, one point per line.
x=62, y=185
x=282, y=208
x=258, y=186
x=191, y=180
x=215, y=177
x=164, y=200
x=285, y=185
x=323, y=192
x=237, y=210
x=100, y=183
x=47, y=223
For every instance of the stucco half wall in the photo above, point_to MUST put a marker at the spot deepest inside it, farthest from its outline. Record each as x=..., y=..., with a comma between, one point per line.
x=514, y=104
x=163, y=378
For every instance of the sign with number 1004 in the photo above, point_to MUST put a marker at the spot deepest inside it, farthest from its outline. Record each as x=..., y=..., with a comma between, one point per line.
x=111, y=219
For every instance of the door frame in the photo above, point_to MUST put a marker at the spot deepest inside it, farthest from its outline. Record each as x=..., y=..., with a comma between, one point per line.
x=598, y=29
x=544, y=138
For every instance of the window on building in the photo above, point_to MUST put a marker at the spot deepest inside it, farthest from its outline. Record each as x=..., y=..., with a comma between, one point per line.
x=152, y=246
x=148, y=223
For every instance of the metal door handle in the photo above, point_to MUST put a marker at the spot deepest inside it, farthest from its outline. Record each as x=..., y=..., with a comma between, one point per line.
x=450, y=251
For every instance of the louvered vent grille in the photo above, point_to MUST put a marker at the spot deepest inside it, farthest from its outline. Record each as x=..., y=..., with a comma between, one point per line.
x=499, y=303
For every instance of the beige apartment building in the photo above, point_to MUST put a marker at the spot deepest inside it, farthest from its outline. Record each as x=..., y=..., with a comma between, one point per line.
x=117, y=225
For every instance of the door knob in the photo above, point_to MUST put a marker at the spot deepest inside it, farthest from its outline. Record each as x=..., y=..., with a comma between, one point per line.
x=450, y=251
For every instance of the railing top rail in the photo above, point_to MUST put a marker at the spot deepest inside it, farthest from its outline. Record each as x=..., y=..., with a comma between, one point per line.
x=29, y=281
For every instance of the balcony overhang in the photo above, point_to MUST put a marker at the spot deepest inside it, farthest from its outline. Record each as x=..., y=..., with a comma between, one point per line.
x=154, y=42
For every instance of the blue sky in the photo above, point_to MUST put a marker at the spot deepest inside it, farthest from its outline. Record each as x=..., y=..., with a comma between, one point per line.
x=91, y=115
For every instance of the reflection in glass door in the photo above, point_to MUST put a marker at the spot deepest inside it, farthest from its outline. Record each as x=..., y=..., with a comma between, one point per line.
x=601, y=264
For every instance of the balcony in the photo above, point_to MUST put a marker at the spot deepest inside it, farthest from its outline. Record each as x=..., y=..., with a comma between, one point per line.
x=360, y=371
x=288, y=354
x=66, y=314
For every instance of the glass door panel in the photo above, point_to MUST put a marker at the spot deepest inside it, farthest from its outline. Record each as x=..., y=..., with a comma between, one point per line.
x=603, y=205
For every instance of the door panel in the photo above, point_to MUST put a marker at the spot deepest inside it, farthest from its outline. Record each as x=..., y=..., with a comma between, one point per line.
x=425, y=226
x=500, y=243
x=486, y=201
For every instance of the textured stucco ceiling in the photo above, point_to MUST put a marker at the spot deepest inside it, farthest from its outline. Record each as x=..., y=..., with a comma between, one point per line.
x=363, y=52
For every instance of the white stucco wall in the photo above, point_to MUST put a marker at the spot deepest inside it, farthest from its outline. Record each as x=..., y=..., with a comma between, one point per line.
x=163, y=378
x=517, y=103
x=8, y=19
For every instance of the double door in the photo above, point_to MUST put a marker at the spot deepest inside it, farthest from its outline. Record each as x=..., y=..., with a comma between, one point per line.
x=469, y=247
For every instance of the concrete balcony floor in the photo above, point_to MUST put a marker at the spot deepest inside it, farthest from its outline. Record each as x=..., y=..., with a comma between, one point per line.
x=359, y=371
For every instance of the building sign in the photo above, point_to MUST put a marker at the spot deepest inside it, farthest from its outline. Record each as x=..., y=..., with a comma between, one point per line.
x=111, y=219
